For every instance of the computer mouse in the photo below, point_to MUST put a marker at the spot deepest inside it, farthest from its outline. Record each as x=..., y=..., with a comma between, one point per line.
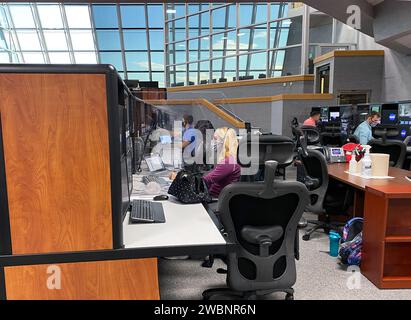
x=161, y=197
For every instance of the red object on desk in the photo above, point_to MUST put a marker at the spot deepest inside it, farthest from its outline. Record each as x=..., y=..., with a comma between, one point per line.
x=349, y=148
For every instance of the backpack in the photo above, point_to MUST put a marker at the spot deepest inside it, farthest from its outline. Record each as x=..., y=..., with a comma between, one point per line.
x=351, y=242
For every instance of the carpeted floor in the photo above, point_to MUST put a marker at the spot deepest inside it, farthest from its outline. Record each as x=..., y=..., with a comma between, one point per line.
x=318, y=277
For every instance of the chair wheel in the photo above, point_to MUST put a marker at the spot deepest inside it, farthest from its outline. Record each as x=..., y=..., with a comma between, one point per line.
x=289, y=296
x=306, y=237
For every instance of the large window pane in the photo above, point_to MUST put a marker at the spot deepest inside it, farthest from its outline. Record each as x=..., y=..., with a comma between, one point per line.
x=28, y=40
x=157, y=61
x=278, y=11
x=155, y=16
x=50, y=16
x=22, y=16
x=78, y=16
x=142, y=76
x=133, y=16
x=113, y=58
x=55, y=40
x=105, y=16
x=108, y=39
x=135, y=39
x=287, y=61
x=205, y=23
x=158, y=76
x=59, y=57
x=137, y=61
x=85, y=57
x=82, y=39
x=253, y=38
x=156, y=39
x=286, y=32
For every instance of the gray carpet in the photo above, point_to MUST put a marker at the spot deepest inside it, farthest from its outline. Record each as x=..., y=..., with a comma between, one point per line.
x=319, y=277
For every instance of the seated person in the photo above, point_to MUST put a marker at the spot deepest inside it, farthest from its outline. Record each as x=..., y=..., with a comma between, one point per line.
x=364, y=132
x=227, y=169
x=189, y=135
x=313, y=119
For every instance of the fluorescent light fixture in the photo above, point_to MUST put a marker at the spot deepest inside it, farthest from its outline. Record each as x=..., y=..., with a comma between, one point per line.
x=171, y=11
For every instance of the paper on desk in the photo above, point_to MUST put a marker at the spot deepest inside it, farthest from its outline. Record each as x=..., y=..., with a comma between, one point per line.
x=369, y=177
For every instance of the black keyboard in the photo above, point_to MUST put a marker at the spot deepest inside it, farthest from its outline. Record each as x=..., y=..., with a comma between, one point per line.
x=146, y=211
x=148, y=179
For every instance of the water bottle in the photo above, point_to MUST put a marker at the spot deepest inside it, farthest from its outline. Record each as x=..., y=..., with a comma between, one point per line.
x=334, y=243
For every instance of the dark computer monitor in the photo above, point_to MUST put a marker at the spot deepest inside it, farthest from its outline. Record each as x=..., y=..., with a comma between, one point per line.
x=362, y=113
x=389, y=114
x=334, y=114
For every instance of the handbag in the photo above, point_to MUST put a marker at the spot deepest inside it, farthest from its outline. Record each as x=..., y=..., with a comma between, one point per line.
x=189, y=187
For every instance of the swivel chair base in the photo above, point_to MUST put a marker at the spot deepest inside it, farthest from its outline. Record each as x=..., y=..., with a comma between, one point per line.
x=325, y=225
x=246, y=295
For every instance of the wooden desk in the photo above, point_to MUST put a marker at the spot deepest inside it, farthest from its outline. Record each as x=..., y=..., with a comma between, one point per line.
x=386, y=254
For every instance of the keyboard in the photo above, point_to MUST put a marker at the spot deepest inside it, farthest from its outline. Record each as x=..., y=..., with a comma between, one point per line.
x=143, y=211
x=148, y=179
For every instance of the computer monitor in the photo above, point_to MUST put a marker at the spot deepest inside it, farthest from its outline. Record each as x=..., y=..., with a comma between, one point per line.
x=362, y=113
x=389, y=114
x=324, y=114
x=334, y=114
x=375, y=108
x=155, y=163
x=405, y=110
x=165, y=139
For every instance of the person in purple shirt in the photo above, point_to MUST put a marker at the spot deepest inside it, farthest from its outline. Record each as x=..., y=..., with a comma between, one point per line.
x=227, y=169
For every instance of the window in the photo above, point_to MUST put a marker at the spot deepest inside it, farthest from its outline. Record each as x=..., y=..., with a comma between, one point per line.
x=105, y=16
x=132, y=16
x=78, y=16
x=135, y=39
x=108, y=39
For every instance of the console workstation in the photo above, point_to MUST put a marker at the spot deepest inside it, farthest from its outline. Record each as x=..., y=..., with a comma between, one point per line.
x=66, y=184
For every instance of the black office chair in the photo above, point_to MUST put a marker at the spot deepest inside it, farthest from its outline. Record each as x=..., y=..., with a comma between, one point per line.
x=261, y=218
x=326, y=197
x=331, y=135
x=312, y=135
x=270, y=147
x=407, y=163
x=395, y=148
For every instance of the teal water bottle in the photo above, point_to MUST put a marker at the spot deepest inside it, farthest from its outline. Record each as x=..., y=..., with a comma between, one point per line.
x=334, y=243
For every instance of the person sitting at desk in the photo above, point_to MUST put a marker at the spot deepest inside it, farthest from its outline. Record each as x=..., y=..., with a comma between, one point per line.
x=364, y=131
x=189, y=135
x=227, y=170
x=313, y=119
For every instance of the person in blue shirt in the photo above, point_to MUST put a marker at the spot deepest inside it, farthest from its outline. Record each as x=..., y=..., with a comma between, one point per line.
x=364, y=131
x=189, y=134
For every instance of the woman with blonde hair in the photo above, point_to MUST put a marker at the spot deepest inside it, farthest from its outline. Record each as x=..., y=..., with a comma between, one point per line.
x=226, y=170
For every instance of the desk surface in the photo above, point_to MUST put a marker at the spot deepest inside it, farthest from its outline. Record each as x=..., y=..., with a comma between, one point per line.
x=187, y=225
x=398, y=186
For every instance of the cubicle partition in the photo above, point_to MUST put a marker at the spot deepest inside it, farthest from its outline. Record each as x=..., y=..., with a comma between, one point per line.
x=65, y=181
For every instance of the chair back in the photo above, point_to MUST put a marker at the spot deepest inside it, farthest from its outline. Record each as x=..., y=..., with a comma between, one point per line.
x=312, y=135
x=262, y=219
x=395, y=148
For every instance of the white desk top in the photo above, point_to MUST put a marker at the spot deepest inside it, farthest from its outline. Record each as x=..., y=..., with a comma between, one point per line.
x=186, y=225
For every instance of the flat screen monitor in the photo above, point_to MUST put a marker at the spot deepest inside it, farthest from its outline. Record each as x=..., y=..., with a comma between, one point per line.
x=362, y=112
x=405, y=110
x=375, y=108
x=389, y=114
x=324, y=114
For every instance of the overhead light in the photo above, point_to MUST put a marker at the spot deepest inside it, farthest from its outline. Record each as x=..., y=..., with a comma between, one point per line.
x=171, y=11
x=241, y=34
x=181, y=45
x=206, y=38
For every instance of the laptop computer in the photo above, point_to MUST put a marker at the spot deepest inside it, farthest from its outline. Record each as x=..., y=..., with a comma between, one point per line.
x=155, y=163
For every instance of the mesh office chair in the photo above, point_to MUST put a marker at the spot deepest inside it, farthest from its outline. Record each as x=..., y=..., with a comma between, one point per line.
x=326, y=197
x=270, y=147
x=407, y=163
x=311, y=134
x=395, y=148
x=331, y=135
x=261, y=218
